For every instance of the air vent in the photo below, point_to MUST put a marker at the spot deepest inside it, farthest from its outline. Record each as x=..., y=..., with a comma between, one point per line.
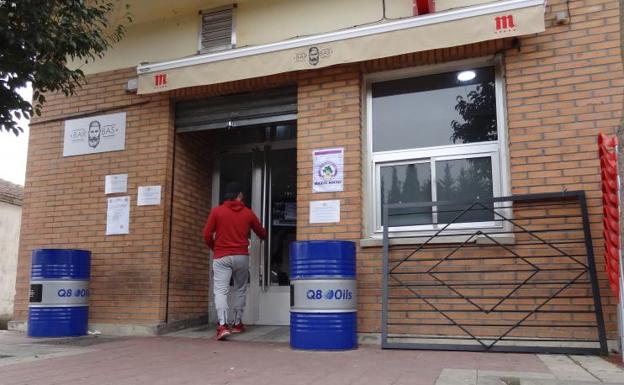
x=217, y=31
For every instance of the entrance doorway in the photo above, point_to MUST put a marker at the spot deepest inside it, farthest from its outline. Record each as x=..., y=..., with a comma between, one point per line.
x=263, y=159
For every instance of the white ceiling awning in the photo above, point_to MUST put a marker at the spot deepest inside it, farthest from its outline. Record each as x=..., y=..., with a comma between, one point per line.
x=496, y=20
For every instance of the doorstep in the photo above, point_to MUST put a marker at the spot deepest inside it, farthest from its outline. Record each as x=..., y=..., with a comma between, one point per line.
x=262, y=333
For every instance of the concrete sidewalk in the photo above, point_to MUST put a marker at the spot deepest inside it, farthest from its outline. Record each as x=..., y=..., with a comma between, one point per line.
x=184, y=360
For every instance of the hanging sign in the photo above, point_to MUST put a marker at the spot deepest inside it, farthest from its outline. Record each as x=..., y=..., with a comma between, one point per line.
x=95, y=134
x=328, y=175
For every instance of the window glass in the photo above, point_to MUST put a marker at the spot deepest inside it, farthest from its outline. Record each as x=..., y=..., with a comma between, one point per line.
x=410, y=183
x=236, y=168
x=464, y=180
x=242, y=135
x=284, y=132
x=282, y=230
x=434, y=110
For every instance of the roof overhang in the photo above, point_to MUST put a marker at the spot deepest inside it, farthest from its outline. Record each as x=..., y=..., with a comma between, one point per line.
x=496, y=20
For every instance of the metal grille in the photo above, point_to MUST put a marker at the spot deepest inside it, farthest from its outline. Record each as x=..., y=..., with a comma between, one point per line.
x=525, y=282
x=216, y=30
x=238, y=110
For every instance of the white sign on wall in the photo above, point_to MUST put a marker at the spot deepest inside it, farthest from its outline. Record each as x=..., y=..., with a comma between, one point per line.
x=148, y=195
x=118, y=216
x=116, y=183
x=95, y=134
x=325, y=211
x=328, y=173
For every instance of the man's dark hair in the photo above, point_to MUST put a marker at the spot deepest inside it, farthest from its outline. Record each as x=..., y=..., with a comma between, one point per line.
x=232, y=190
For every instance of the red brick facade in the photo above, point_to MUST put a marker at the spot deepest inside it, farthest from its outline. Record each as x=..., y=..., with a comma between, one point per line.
x=188, y=266
x=563, y=86
x=65, y=205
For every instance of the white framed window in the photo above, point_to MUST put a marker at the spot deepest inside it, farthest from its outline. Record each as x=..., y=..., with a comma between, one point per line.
x=216, y=29
x=435, y=135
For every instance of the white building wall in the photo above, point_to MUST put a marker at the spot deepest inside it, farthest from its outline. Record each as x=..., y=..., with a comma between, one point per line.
x=10, y=220
x=165, y=30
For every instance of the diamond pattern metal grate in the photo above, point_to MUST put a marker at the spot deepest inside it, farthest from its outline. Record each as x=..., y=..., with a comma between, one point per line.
x=524, y=282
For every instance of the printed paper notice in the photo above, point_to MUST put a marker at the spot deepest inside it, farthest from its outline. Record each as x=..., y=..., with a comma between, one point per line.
x=148, y=196
x=118, y=216
x=328, y=173
x=116, y=184
x=325, y=211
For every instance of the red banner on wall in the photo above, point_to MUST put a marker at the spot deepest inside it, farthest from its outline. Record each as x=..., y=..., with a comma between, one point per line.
x=607, y=149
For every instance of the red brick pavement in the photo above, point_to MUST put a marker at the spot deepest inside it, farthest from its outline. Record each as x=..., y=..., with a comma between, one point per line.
x=169, y=360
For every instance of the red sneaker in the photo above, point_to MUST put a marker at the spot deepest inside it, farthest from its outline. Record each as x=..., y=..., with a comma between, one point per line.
x=239, y=328
x=222, y=332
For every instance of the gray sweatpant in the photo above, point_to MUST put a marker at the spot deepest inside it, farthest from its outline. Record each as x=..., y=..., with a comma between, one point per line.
x=224, y=268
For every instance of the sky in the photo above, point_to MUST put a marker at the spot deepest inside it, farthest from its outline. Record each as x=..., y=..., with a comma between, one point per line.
x=14, y=149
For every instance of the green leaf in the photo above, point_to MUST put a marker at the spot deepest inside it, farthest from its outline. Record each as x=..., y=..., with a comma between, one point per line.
x=38, y=37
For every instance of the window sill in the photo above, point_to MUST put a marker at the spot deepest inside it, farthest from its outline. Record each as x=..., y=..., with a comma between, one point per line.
x=505, y=239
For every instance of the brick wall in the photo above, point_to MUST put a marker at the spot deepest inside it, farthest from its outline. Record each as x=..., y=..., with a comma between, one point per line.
x=563, y=87
x=65, y=205
x=370, y=265
x=329, y=115
x=192, y=193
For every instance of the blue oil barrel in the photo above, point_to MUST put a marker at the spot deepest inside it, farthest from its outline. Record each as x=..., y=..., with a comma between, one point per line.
x=59, y=293
x=323, y=301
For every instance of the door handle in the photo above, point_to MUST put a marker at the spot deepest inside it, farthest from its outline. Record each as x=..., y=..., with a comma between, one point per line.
x=262, y=279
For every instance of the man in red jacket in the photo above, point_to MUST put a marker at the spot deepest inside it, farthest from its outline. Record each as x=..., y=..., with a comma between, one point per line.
x=227, y=233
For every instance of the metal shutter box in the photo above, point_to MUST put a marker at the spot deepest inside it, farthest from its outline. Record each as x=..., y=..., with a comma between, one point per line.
x=247, y=109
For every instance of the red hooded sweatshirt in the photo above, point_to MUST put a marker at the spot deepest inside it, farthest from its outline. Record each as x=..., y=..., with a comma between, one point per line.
x=227, y=229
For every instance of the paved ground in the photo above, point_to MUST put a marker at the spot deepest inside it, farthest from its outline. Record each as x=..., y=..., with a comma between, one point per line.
x=252, y=334
x=185, y=359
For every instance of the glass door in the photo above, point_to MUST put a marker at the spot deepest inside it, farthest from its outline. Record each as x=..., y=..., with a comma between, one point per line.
x=281, y=216
x=246, y=168
x=267, y=171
